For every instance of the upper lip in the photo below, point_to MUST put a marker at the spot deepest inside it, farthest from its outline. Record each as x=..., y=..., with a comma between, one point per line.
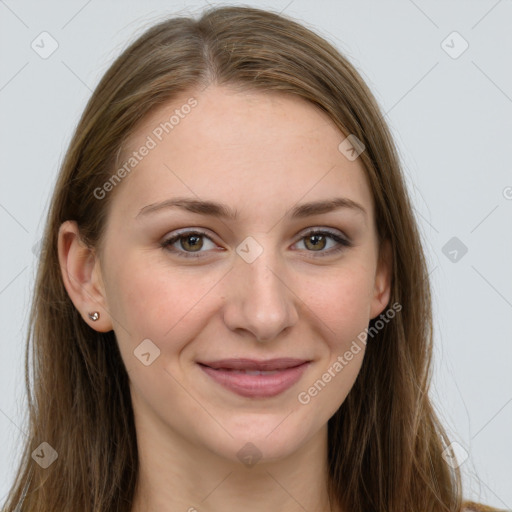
x=253, y=364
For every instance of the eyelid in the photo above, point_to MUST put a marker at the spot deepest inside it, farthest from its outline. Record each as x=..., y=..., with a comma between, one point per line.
x=343, y=242
x=323, y=230
x=169, y=241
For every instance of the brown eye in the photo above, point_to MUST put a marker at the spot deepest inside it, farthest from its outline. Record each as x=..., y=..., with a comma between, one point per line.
x=315, y=242
x=191, y=242
x=324, y=243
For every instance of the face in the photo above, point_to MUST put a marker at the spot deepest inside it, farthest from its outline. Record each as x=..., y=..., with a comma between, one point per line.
x=230, y=304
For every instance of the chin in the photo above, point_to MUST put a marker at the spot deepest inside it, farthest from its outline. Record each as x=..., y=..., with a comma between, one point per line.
x=260, y=438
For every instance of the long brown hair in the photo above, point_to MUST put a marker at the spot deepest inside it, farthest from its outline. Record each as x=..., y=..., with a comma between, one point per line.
x=385, y=441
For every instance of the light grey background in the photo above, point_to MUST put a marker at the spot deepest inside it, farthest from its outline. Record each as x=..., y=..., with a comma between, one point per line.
x=452, y=120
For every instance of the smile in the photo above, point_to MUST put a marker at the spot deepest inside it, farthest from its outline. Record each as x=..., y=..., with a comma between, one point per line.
x=256, y=379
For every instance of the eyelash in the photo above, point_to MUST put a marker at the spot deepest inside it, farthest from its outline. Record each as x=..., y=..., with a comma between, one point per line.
x=167, y=244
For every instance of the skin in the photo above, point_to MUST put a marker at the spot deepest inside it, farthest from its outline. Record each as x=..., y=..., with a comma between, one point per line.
x=261, y=154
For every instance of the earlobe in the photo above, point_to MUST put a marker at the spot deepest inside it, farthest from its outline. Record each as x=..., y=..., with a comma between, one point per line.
x=382, y=288
x=82, y=277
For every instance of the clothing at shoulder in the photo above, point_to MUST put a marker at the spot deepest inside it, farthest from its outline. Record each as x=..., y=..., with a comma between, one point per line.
x=470, y=506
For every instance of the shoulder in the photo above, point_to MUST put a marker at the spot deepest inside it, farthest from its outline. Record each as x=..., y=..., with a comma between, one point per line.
x=471, y=506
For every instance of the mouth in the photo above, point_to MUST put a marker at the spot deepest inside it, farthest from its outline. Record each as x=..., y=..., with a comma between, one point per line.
x=256, y=379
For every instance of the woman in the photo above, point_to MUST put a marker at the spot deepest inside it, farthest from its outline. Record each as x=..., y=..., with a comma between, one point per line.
x=232, y=306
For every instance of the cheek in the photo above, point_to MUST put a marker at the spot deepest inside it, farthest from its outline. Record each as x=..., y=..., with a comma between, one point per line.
x=342, y=306
x=342, y=300
x=151, y=300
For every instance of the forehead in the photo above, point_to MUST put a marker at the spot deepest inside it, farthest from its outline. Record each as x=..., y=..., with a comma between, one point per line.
x=250, y=149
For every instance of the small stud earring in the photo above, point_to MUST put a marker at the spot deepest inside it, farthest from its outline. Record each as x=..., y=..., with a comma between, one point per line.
x=94, y=316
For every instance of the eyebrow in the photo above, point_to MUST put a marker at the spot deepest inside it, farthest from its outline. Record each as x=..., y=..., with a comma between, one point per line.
x=220, y=210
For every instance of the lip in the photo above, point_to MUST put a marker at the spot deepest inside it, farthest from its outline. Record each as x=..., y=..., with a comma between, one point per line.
x=230, y=374
x=281, y=363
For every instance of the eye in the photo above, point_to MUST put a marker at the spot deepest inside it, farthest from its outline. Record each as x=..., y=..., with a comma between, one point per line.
x=317, y=240
x=188, y=243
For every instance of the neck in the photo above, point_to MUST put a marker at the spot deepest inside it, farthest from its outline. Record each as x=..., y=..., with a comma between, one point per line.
x=177, y=475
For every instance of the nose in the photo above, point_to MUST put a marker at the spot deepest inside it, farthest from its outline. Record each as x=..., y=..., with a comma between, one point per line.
x=259, y=299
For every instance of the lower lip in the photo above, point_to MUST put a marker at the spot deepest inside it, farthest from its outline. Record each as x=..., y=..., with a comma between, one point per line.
x=257, y=386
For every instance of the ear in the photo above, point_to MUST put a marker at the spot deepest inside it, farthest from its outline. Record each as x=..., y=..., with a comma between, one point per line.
x=81, y=274
x=382, y=287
